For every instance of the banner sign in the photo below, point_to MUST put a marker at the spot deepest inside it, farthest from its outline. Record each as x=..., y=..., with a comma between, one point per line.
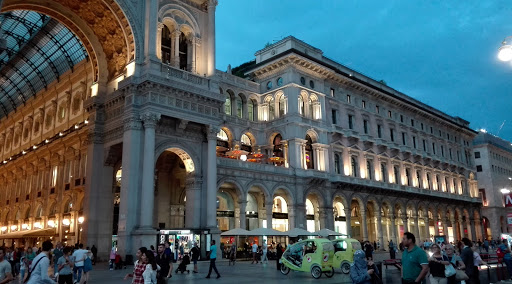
x=508, y=200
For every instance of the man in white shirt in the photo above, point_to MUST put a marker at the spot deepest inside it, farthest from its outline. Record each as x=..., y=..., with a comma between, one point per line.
x=254, y=252
x=265, y=249
x=5, y=268
x=40, y=266
x=78, y=265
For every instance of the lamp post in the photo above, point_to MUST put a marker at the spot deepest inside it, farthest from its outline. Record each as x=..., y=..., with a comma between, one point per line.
x=505, y=50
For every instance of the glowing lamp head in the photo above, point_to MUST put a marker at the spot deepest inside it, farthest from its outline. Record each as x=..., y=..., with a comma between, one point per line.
x=3, y=229
x=81, y=219
x=66, y=222
x=505, y=52
x=51, y=224
x=505, y=191
x=14, y=227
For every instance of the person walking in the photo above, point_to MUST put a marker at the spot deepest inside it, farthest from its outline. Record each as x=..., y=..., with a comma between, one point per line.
x=359, y=272
x=279, y=254
x=112, y=258
x=254, y=253
x=232, y=254
x=5, y=268
x=195, y=256
x=57, y=253
x=94, y=251
x=38, y=272
x=368, y=249
x=467, y=257
x=392, y=250
x=79, y=256
x=264, y=249
x=165, y=263
x=213, y=258
x=138, y=268
x=149, y=274
x=436, y=264
x=64, y=267
x=414, y=261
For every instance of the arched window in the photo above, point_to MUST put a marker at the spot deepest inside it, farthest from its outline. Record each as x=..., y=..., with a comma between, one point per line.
x=369, y=169
x=396, y=171
x=39, y=212
x=246, y=143
x=438, y=182
x=271, y=112
x=310, y=108
x=301, y=105
x=68, y=207
x=309, y=153
x=418, y=178
x=408, y=177
x=446, y=184
x=166, y=45
x=353, y=162
x=428, y=180
x=282, y=106
x=183, y=52
x=222, y=143
x=337, y=164
x=239, y=105
x=53, y=210
x=277, y=151
x=251, y=109
x=227, y=105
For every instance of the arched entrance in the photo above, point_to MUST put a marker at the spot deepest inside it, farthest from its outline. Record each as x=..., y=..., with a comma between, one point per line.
x=255, y=210
x=487, y=228
x=355, y=219
x=228, y=207
x=340, y=219
x=371, y=221
x=280, y=215
x=312, y=213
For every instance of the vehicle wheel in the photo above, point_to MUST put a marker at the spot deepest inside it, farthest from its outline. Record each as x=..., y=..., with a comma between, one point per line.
x=345, y=268
x=316, y=272
x=285, y=269
x=329, y=274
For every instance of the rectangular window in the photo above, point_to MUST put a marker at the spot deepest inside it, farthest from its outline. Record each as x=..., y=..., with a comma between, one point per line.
x=414, y=142
x=434, y=148
x=379, y=130
x=401, y=118
x=431, y=130
x=365, y=126
x=377, y=109
x=412, y=122
x=348, y=99
x=424, y=145
x=458, y=156
x=53, y=180
x=478, y=168
x=334, y=116
x=442, y=151
x=332, y=92
x=403, y=138
x=392, y=135
x=477, y=155
x=363, y=104
x=422, y=126
x=450, y=152
x=440, y=133
x=350, y=122
x=481, y=192
x=448, y=136
x=389, y=114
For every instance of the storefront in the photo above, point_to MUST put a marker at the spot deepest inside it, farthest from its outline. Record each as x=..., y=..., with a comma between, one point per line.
x=182, y=241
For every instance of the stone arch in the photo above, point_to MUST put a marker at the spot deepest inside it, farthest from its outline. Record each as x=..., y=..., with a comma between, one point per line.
x=320, y=197
x=313, y=134
x=250, y=135
x=36, y=208
x=376, y=204
x=340, y=196
x=260, y=186
x=289, y=194
x=241, y=195
x=399, y=205
x=107, y=35
x=359, y=199
x=26, y=212
x=66, y=201
x=186, y=154
x=179, y=15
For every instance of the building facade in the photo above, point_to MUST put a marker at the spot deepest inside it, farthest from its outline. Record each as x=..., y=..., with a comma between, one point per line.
x=493, y=161
x=140, y=137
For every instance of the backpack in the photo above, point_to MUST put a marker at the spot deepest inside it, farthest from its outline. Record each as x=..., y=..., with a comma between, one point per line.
x=27, y=276
x=87, y=264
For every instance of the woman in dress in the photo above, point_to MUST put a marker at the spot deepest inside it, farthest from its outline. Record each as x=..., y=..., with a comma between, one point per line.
x=149, y=274
x=138, y=267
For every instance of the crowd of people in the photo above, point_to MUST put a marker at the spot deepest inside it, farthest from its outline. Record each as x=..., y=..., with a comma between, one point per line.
x=444, y=264
x=47, y=264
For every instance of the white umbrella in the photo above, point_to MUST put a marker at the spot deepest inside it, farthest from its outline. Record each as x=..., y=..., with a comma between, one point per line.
x=295, y=232
x=266, y=232
x=236, y=232
x=327, y=232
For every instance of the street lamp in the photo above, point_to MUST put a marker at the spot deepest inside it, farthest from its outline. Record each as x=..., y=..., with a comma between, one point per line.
x=505, y=50
x=505, y=191
x=81, y=220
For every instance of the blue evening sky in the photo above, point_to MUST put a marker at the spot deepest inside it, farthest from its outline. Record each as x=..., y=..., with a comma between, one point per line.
x=442, y=53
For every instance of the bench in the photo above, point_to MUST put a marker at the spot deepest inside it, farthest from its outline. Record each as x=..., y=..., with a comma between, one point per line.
x=393, y=262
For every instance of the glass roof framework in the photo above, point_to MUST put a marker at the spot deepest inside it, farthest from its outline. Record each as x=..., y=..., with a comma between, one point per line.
x=39, y=50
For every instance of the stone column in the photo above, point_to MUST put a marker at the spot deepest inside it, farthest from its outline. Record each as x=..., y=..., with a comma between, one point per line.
x=348, y=221
x=243, y=219
x=160, y=27
x=292, y=221
x=405, y=220
x=427, y=226
x=417, y=226
x=175, y=52
x=148, y=171
x=191, y=47
x=472, y=228
x=211, y=182
x=380, y=233
x=268, y=214
x=436, y=227
x=130, y=183
x=211, y=37
x=454, y=228
x=329, y=218
x=394, y=233
x=322, y=218
x=285, y=150
x=193, y=195
x=461, y=228
x=445, y=226
x=364, y=225
x=151, y=29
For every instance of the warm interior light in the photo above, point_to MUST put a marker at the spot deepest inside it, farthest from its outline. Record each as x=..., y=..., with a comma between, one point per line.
x=14, y=227
x=505, y=191
x=243, y=158
x=37, y=225
x=51, y=223
x=66, y=222
x=81, y=219
x=94, y=90
x=3, y=229
x=505, y=52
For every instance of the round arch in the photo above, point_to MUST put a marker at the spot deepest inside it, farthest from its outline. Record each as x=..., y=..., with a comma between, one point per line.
x=185, y=153
x=181, y=16
x=313, y=134
x=278, y=190
x=238, y=188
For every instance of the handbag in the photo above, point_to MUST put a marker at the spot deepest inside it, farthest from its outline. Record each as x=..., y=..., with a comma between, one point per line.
x=460, y=275
x=449, y=270
x=87, y=264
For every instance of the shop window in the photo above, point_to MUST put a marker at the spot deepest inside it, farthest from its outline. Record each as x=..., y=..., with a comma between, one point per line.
x=309, y=153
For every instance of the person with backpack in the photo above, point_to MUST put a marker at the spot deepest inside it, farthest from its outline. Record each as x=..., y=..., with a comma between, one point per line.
x=38, y=271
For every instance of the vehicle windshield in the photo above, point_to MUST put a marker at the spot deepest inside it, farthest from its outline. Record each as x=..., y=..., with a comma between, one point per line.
x=356, y=246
